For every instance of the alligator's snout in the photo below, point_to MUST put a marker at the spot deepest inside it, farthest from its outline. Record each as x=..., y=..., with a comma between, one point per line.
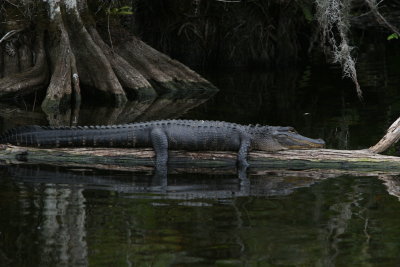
x=293, y=140
x=320, y=143
x=305, y=142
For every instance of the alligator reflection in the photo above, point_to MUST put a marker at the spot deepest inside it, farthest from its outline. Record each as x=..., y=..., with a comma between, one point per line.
x=179, y=185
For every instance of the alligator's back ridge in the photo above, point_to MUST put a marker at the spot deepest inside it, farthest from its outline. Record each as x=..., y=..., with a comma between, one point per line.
x=188, y=123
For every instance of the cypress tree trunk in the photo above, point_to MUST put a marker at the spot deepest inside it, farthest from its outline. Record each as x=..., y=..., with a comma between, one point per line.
x=56, y=46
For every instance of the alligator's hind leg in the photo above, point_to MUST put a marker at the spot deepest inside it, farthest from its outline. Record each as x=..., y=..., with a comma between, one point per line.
x=160, y=145
x=243, y=151
x=242, y=159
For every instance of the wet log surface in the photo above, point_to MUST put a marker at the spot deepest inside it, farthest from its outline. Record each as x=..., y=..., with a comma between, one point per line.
x=143, y=159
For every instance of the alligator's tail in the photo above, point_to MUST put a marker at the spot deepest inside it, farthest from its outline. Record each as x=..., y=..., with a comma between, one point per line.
x=42, y=136
x=19, y=135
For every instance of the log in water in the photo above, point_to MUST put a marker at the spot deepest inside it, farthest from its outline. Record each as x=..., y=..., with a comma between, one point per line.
x=141, y=159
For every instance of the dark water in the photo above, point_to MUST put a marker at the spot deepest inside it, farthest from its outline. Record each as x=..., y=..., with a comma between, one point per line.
x=76, y=217
x=62, y=217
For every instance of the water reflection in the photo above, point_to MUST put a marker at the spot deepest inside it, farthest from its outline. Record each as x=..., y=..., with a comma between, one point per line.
x=42, y=225
x=79, y=217
x=62, y=232
x=167, y=106
x=70, y=207
x=12, y=116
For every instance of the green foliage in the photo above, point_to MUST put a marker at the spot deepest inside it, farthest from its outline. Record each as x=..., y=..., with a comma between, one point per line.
x=393, y=36
x=120, y=11
x=306, y=8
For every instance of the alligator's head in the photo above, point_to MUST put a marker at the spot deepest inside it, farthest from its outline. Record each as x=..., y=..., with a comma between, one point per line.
x=272, y=138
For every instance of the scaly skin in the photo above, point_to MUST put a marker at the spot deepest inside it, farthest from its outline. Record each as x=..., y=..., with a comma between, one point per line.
x=164, y=135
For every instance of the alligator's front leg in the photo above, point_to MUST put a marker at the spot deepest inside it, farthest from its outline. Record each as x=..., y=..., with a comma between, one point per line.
x=160, y=145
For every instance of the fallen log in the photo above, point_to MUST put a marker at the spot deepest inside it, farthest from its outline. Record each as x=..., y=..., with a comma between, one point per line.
x=143, y=159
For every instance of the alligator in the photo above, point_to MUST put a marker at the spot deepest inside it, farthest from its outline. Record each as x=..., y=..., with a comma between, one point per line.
x=191, y=135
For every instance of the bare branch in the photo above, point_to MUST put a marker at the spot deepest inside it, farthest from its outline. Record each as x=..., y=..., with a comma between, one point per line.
x=374, y=9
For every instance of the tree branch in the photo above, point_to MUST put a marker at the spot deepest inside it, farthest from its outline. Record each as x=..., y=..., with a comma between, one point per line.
x=391, y=137
x=374, y=9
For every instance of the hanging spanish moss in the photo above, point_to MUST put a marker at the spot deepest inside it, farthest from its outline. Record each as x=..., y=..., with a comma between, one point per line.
x=334, y=19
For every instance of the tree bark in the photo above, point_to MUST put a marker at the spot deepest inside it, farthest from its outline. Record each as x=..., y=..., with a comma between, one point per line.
x=62, y=84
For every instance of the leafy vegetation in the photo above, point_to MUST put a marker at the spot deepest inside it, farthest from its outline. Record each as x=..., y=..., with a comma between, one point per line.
x=393, y=36
x=124, y=10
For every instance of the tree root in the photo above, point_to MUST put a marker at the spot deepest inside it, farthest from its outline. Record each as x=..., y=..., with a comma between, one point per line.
x=30, y=80
x=79, y=56
x=165, y=74
x=130, y=78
